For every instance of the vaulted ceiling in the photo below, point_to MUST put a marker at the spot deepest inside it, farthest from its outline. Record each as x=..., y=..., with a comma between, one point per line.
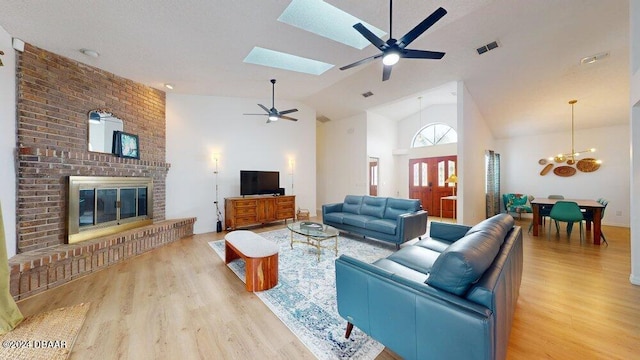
x=521, y=87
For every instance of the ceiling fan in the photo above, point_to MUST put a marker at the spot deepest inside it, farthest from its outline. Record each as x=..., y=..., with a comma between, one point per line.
x=273, y=114
x=393, y=49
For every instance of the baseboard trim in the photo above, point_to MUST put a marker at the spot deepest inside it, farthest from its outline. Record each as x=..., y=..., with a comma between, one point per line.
x=635, y=280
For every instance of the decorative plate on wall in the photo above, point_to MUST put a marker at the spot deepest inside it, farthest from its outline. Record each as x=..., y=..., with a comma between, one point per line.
x=564, y=171
x=588, y=165
x=560, y=159
x=546, y=169
x=542, y=161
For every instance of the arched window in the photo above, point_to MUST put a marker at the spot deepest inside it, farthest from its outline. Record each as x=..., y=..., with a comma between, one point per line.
x=434, y=134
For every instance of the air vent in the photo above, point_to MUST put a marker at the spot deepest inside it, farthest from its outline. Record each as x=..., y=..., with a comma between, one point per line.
x=367, y=94
x=490, y=46
x=323, y=119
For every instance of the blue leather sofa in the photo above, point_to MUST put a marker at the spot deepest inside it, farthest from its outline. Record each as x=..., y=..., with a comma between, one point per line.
x=389, y=219
x=449, y=296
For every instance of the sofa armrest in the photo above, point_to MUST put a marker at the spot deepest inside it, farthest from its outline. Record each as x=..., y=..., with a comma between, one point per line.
x=411, y=318
x=447, y=232
x=329, y=208
x=412, y=225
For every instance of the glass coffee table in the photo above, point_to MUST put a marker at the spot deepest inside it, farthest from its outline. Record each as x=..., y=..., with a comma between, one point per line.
x=315, y=237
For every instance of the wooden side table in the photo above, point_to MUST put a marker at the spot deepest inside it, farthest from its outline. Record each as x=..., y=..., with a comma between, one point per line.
x=455, y=203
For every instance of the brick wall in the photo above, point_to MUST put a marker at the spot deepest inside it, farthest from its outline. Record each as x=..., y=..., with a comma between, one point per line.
x=55, y=95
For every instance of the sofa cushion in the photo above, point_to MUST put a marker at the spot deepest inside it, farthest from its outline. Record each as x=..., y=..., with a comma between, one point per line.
x=357, y=220
x=438, y=245
x=400, y=270
x=396, y=207
x=373, y=206
x=498, y=226
x=464, y=262
x=385, y=226
x=415, y=257
x=352, y=204
x=334, y=217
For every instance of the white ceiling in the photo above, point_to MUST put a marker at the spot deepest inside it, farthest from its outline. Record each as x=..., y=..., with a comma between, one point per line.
x=522, y=87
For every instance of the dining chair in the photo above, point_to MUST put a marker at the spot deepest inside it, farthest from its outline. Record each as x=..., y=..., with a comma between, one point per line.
x=566, y=211
x=588, y=216
x=545, y=210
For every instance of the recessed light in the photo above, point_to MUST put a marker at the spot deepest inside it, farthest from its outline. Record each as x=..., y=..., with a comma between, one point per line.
x=169, y=86
x=89, y=52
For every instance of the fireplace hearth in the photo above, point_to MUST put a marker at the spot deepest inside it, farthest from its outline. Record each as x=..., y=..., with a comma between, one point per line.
x=102, y=205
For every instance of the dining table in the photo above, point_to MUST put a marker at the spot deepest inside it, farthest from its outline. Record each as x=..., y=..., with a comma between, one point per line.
x=587, y=205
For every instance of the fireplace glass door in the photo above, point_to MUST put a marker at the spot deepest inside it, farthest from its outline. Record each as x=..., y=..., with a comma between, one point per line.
x=103, y=205
x=106, y=206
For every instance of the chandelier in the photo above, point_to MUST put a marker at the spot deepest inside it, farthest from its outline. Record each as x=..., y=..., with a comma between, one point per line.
x=570, y=157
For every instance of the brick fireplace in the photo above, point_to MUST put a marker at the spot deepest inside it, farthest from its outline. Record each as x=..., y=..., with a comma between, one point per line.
x=54, y=97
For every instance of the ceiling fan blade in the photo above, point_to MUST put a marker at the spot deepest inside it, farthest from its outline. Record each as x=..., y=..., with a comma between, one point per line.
x=264, y=108
x=360, y=62
x=386, y=72
x=379, y=43
x=422, y=54
x=257, y=114
x=288, y=111
x=288, y=118
x=422, y=27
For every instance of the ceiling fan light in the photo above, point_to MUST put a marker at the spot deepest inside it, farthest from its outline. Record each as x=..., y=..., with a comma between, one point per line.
x=273, y=118
x=391, y=59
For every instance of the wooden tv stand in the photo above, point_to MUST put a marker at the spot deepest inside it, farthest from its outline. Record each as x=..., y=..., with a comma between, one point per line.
x=255, y=210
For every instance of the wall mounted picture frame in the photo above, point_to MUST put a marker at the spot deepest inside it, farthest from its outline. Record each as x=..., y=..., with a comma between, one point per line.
x=126, y=145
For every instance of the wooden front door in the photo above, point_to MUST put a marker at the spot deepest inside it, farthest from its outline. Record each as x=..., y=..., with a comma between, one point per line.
x=427, y=183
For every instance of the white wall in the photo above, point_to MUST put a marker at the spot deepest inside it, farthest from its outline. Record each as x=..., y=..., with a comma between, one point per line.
x=381, y=140
x=521, y=172
x=8, y=141
x=634, y=43
x=408, y=127
x=471, y=153
x=343, y=159
x=198, y=127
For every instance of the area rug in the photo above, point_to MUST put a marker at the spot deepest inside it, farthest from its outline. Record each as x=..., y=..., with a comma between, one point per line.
x=305, y=297
x=46, y=336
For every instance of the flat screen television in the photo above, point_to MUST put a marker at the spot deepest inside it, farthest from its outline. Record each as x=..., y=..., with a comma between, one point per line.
x=259, y=182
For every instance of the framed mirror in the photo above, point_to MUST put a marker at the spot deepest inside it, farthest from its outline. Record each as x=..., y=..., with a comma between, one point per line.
x=102, y=125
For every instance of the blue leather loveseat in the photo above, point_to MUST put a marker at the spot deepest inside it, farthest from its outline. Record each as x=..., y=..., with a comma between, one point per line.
x=449, y=296
x=389, y=219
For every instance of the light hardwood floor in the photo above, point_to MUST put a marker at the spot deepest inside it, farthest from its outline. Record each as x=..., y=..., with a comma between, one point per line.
x=181, y=301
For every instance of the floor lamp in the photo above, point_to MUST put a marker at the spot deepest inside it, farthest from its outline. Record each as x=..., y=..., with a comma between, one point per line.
x=218, y=213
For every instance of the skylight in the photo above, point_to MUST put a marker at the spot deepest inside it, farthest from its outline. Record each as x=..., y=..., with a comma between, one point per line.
x=326, y=20
x=280, y=60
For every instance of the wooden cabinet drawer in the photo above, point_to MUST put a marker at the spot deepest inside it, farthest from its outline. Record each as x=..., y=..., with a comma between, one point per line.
x=245, y=211
x=245, y=203
x=285, y=214
x=285, y=201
